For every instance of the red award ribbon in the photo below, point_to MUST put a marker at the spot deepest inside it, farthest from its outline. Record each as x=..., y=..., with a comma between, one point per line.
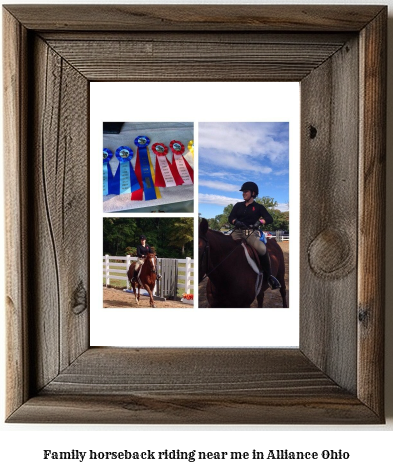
x=138, y=195
x=189, y=169
x=163, y=173
x=179, y=162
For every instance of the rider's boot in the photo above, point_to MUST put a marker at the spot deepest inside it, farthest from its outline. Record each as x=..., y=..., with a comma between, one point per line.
x=272, y=281
x=134, y=277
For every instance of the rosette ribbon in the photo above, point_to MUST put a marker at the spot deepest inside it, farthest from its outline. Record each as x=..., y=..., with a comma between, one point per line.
x=180, y=164
x=144, y=170
x=163, y=174
x=106, y=169
x=125, y=180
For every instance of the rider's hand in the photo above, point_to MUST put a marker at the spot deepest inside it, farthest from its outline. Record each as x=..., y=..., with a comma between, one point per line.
x=240, y=224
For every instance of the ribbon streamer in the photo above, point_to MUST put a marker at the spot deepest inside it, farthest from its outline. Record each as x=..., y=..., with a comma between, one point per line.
x=163, y=174
x=184, y=169
x=157, y=190
x=142, y=143
x=128, y=181
x=107, y=155
x=138, y=195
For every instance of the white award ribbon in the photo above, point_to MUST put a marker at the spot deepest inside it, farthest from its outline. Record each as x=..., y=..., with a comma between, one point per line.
x=181, y=167
x=165, y=170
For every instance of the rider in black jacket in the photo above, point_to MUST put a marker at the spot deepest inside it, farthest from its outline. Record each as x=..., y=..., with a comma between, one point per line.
x=245, y=215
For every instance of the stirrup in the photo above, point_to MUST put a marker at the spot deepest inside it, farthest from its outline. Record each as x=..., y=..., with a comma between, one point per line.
x=273, y=283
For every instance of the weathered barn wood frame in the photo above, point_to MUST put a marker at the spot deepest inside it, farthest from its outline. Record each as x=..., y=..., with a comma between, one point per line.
x=338, y=54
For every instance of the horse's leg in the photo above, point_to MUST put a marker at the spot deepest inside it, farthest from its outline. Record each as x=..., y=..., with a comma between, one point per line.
x=283, y=289
x=134, y=289
x=283, y=292
x=148, y=289
x=260, y=298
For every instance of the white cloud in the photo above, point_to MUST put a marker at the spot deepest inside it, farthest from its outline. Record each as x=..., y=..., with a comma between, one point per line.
x=238, y=140
x=215, y=159
x=217, y=199
x=282, y=206
x=219, y=185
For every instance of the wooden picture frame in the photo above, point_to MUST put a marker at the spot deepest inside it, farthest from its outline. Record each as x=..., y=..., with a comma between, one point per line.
x=338, y=54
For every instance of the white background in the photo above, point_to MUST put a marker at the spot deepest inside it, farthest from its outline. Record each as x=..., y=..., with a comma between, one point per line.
x=370, y=446
x=197, y=327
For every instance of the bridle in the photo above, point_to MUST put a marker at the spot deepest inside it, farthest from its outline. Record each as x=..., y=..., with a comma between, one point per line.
x=205, y=255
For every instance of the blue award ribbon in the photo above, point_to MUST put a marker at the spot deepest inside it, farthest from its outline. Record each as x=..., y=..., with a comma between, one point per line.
x=148, y=184
x=106, y=169
x=125, y=175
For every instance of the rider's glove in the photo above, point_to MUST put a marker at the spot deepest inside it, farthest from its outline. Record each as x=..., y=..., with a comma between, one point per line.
x=240, y=224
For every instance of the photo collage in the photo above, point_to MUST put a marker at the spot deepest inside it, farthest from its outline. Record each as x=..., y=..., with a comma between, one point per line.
x=169, y=185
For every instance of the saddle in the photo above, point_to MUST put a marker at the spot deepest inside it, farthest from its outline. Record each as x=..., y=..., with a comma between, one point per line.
x=253, y=254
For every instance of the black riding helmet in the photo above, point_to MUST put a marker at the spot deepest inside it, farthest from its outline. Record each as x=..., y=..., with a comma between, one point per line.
x=142, y=237
x=250, y=186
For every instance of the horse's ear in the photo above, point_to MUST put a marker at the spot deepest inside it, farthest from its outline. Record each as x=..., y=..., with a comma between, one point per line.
x=203, y=227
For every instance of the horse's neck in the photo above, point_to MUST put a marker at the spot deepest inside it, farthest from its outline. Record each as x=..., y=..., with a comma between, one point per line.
x=220, y=240
x=220, y=246
x=146, y=265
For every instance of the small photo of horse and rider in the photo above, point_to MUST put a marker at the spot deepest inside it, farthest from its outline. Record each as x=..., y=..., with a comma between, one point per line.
x=148, y=262
x=243, y=199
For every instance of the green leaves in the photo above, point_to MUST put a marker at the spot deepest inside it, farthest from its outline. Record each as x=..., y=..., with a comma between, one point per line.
x=170, y=237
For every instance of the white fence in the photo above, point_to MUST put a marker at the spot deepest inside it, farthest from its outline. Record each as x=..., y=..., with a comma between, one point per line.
x=279, y=236
x=115, y=268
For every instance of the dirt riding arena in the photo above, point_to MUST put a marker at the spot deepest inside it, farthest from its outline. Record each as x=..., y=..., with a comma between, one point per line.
x=116, y=298
x=272, y=298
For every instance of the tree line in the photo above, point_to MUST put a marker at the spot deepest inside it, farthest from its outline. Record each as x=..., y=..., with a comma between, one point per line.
x=170, y=237
x=280, y=219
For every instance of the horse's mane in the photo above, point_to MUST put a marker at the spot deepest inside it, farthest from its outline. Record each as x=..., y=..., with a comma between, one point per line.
x=151, y=254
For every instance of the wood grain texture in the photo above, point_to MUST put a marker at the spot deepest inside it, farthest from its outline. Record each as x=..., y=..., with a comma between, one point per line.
x=329, y=175
x=173, y=60
x=193, y=386
x=59, y=267
x=195, y=18
x=15, y=104
x=53, y=376
x=372, y=192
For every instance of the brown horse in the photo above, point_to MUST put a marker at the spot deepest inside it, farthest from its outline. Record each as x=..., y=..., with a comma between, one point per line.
x=232, y=281
x=146, y=279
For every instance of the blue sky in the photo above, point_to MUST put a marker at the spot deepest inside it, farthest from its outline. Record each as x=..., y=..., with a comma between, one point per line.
x=231, y=153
